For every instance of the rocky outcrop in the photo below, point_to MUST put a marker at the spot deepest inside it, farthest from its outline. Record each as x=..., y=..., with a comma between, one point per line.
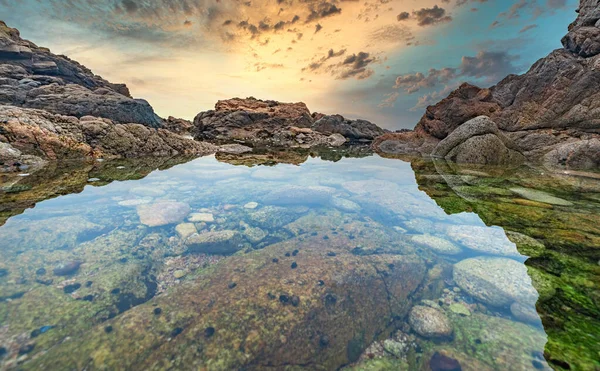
x=30, y=136
x=257, y=122
x=33, y=77
x=478, y=141
x=552, y=105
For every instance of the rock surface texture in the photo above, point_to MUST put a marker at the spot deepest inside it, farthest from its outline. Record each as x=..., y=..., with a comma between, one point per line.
x=259, y=122
x=550, y=114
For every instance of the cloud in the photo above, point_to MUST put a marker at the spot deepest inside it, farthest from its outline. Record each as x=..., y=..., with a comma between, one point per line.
x=431, y=16
x=527, y=28
x=322, y=10
x=389, y=100
x=353, y=66
x=487, y=67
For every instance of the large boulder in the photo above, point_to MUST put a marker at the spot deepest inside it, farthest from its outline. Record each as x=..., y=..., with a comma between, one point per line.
x=581, y=154
x=498, y=282
x=33, y=77
x=254, y=312
x=478, y=141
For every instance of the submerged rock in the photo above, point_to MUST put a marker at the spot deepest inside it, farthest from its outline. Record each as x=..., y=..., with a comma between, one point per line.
x=326, y=326
x=483, y=239
x=539, y=196
x=201, y=217
x=162, y=213
x=495, y=281
x=437, y=244
x=440, y=362
x=429, y=322
x=184, y=230
x=218, y=242
x=67, y=268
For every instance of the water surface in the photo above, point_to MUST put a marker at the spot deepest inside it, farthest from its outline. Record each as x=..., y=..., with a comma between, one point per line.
x=288, y=261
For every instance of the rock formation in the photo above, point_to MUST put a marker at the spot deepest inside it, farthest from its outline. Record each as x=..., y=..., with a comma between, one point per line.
x=551, y=113
x=33, y=77
x=30, y=136
x=272, y=123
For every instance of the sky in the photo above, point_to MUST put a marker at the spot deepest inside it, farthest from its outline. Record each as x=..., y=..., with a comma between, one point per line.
x=380, y=60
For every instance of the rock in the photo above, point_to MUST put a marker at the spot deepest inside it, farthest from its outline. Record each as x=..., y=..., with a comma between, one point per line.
x=459, y=308
x=548, y=113
x=329, y=328
x=251, y=205
x=60, y=85
x=55, y=137
x=252, y=234
x=539, y=196
x=184, y=230
x=336, y=140
x=274, y=123
x=162, y=213
x=580, y=154
x=478, y=141
x=217, y=242
x=345, y=205
x=201, y=217
x=525, y=313
x=298, y=195
x=495, y=281
x=67, y=268
x=235, y=149
x=351, y=129
x=440, y=362
x=178, y=274
x=437, y=244
x=429, y=322
x=526, y=245
x=483, y=239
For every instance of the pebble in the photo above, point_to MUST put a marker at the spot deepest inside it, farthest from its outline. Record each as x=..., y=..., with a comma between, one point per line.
x=108, y=329
x=331, y=253
x=26, y=349
x=295, y=301
x=295, y=252
x=40, y=272
x=275, y=260
x=232, y=285
x=176, y=331
x=157, y=311
x=179, y=274
x=294, y=265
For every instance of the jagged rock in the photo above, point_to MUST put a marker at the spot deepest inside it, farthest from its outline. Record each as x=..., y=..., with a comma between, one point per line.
x=60, y=85
x=56, y=137
x=351, y=129
x=478, y=141
x=274, y=123
x=555, y=103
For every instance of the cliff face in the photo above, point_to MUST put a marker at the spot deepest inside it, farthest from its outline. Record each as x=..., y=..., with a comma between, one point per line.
x=33, y=77
x=550, y=114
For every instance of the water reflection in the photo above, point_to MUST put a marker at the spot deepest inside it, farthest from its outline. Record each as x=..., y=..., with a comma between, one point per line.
x=364, y=263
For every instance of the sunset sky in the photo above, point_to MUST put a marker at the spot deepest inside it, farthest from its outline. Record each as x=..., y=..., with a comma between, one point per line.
x=382, y=60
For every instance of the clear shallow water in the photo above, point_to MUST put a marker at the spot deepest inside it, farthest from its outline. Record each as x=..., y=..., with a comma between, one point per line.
x=363, y=263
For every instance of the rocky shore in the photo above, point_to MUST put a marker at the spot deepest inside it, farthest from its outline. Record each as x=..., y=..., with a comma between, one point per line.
x=53, y=108
x=548, y=115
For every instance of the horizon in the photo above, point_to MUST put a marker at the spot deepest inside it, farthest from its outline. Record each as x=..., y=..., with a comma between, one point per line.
x=383, y=61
